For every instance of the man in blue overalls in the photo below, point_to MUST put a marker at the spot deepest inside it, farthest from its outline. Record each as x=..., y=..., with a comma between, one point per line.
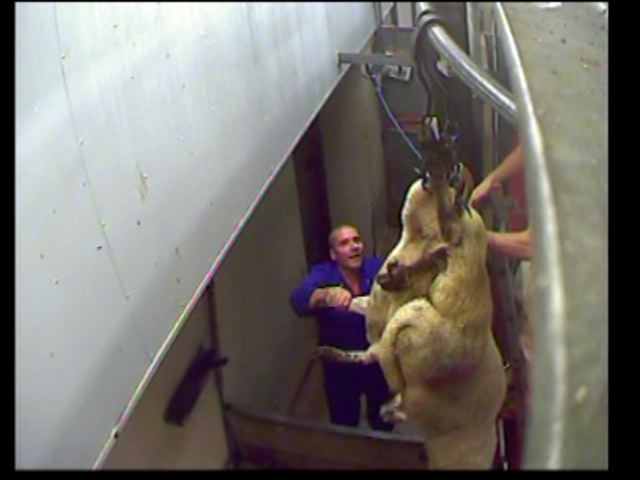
x=326, y=293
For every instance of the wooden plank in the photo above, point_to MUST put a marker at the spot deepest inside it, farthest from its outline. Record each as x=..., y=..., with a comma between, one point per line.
x=273, y=441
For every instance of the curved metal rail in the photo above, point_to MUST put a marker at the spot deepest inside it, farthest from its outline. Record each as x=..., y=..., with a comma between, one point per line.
x=561, y=117
x=551, y=297
x=477, y=79
x=562, y=110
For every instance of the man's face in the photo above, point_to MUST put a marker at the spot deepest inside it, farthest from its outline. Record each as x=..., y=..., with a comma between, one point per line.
x=347, y=248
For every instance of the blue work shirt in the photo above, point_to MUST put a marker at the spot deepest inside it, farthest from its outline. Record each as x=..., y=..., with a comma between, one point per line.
x=338, y=327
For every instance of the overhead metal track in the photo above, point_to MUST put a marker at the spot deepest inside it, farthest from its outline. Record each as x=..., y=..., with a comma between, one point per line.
x=477, y=79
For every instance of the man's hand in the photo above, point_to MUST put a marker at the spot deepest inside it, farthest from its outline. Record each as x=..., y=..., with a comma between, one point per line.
x=336, y=297
x=359, y=305
x=482, y=191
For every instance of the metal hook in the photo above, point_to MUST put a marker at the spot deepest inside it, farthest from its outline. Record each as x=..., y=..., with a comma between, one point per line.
x=426, y=177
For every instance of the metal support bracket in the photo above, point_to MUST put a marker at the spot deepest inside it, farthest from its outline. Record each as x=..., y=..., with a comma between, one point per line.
x=377, y=59
x=186, y=394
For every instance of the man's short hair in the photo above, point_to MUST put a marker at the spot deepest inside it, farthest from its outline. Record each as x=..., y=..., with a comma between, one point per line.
x=332, y=235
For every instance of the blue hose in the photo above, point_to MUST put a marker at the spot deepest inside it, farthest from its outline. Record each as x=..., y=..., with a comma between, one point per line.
x=378, y=86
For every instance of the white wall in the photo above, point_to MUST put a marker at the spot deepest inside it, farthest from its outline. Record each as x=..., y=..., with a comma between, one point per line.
x=145, y=132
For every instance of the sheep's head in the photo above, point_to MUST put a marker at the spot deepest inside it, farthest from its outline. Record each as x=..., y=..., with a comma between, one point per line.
x=442, y=175
x=439, y=154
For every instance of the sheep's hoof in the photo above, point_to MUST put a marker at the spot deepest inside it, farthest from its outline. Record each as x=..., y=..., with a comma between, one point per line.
x=391, y=412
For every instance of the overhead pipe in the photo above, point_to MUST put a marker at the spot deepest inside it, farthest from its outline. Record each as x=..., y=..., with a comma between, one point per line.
x=465, y=68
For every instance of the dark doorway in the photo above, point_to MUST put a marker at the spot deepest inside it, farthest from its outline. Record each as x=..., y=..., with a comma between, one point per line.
x=311, y=182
